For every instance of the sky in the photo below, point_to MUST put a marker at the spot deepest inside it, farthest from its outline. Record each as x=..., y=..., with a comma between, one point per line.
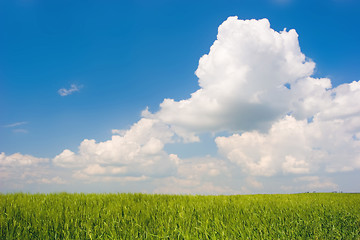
x=180, y=97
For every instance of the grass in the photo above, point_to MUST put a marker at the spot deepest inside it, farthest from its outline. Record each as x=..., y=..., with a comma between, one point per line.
x=145, y=216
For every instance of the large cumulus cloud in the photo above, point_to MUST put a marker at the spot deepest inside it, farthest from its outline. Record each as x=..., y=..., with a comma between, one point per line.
x=257, y=82
x=243, y=81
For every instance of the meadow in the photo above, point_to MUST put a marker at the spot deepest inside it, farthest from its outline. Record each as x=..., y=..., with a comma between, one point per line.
x=149, y=216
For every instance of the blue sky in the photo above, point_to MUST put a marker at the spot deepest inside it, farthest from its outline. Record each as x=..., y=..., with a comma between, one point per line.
x=124, y=56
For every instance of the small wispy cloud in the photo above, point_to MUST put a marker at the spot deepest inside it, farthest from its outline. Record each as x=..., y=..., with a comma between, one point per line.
x=20, y=130
x=73, y=88
x=15, y=124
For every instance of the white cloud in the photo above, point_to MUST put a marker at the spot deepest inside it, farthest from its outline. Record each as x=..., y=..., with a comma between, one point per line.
x=67, y=159
x=255, y=85
x=94, y=169
x=18, y=170
x=20, y=130
x=291, y=165
x=138, y=152
x=294, y=147
x=73, y=88
x=17, y=159
x=256, y=81
x=15, y=124
x=241, y=81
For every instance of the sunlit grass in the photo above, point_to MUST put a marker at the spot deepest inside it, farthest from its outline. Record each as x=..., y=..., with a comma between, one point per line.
x=141, y=216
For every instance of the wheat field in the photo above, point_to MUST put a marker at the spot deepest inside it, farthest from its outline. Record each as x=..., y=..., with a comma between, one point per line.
x=152, y=216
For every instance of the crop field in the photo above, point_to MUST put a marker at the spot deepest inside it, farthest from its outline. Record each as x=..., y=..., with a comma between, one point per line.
x=146, y=216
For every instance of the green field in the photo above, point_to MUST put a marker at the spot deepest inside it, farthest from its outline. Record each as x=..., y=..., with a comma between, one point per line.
x=141, y=216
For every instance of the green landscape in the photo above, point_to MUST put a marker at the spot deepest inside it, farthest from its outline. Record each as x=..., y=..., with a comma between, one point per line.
x=155, y=216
